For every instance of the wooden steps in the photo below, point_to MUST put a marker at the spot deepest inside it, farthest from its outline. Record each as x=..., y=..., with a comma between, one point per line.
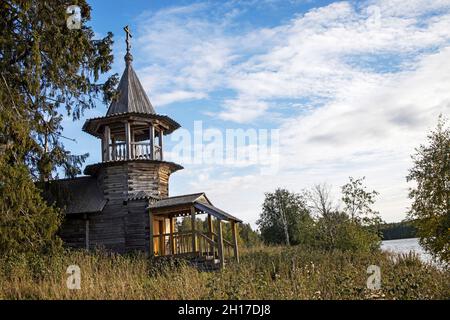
x=205, y=263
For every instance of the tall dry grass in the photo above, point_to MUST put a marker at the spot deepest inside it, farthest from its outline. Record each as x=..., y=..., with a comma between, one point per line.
x=264, y=273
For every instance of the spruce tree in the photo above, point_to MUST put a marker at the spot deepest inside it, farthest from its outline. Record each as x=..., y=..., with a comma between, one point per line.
x=47, y=71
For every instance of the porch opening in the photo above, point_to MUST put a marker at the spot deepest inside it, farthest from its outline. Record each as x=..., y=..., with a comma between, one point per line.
x=176, y=230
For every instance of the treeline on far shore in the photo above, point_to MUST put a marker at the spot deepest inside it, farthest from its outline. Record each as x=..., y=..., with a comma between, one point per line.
x=398, y=230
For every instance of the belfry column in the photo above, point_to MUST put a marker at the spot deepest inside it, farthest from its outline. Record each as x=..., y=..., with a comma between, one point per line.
x=128, y=140
x=106, y=139
x=161, y=135
x=152, y=141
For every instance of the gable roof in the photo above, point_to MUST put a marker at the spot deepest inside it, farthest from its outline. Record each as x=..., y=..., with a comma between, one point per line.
x=78, y=195
x=198, y=200
x=132, y=96
x=179, y=200
x=216, y=212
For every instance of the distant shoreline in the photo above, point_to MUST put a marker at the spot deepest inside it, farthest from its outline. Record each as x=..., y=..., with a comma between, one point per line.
x=398, y=230
x=414, y=237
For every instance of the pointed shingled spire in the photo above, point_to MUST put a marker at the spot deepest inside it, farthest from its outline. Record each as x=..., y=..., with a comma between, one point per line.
x=132, y=96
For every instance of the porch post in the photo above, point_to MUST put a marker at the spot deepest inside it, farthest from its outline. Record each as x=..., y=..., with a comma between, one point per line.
x=210, y=226
x=194, y=232
x=220, y=245
x=172, y=230
x=235, y=242
x=162, y=239
x=210, y=230
x=152, y=246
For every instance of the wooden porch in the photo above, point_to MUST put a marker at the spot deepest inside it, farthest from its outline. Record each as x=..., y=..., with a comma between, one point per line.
x=208, y=246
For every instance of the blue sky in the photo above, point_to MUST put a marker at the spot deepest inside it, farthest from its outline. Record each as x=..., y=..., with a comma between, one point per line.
x=353, y=87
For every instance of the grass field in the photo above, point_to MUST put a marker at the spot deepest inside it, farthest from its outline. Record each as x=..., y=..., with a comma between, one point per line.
x=264, y=273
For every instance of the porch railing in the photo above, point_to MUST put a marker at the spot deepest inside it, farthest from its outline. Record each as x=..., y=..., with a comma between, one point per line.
x=180, y=243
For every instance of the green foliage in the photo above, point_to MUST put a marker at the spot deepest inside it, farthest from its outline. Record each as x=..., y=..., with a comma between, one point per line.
x=357, y=202
x=248, y=236
x=27, y=224
x=47, y=69
x=331, y=229
x=285, y=218
x=431, y=195
x=337, y=231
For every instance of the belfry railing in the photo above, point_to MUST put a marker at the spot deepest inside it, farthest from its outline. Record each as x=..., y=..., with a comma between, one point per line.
x=138, y=150
x=118, y=151
x=141, y=150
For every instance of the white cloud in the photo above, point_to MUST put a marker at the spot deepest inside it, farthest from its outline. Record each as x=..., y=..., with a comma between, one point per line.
x=175, y=96
x=187, y=52
x=243, y=109
x=376, y=87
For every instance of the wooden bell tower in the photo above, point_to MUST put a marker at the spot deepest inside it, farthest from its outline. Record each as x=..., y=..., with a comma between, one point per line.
x=132, y=141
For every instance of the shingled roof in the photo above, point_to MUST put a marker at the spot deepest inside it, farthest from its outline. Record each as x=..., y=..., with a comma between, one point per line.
x=131, y=104
x=218, y=213
x=132, y=96
x=179, y=200
x=198, y=200
x=141, y=195
x=78, y=195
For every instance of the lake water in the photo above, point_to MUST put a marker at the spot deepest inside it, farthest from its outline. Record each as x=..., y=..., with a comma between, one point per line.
x=405, y=246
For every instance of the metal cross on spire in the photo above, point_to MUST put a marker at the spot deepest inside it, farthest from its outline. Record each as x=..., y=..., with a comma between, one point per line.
x=129, y=35
x=128, y=56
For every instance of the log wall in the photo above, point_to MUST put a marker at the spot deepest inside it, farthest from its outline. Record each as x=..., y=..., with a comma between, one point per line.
x=123, y=225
